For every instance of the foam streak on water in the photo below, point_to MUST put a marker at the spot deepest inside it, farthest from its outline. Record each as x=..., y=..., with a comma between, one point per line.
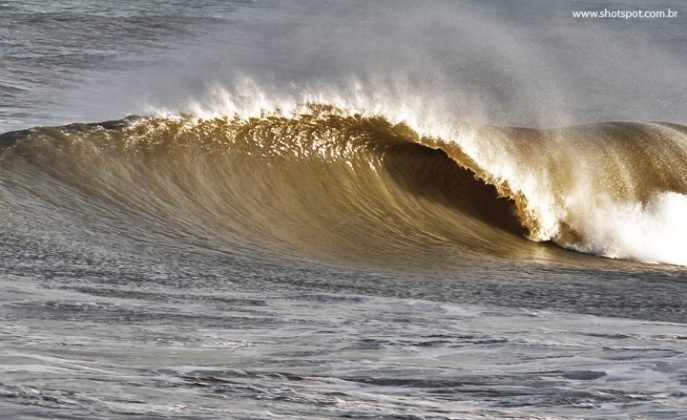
x=245, y=348
x=323, y=209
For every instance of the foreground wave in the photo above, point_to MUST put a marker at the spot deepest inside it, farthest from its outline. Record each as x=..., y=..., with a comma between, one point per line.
x=325, y=183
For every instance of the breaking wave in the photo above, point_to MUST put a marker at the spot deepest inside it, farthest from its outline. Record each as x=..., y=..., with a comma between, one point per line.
x=322, y=182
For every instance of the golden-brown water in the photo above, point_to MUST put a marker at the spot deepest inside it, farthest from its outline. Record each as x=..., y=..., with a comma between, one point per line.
x=322, y=184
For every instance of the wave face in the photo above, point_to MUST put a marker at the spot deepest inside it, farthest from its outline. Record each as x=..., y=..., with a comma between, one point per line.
x=323, y=183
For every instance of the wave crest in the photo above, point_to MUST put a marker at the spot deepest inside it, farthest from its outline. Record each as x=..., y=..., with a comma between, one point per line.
x=324, y=183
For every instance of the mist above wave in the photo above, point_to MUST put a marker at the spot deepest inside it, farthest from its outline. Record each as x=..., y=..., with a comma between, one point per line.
x=515, y=64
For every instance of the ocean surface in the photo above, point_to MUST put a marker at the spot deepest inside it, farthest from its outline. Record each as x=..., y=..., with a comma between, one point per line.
x=342, y=209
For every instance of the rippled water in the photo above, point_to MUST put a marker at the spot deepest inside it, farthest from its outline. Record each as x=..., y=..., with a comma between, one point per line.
x=133, y=286
x=191, y=335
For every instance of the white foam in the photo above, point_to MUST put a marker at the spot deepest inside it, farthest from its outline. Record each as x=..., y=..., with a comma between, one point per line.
x=247, y=99
x=654, y=232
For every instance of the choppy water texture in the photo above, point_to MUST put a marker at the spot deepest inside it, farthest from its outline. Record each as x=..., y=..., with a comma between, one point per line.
x=333, y=209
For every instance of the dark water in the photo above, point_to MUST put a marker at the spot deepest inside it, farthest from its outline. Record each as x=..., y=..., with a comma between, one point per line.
x=388, y=254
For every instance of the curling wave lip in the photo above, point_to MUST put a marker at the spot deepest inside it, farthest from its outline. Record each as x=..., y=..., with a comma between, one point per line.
x=329, y=184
